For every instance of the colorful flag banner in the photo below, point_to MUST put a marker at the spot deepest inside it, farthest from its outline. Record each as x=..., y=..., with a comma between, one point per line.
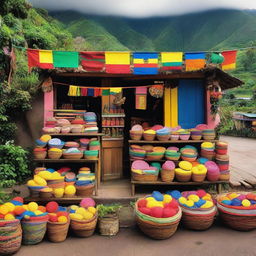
x=83, y=91
x=105, y=92
x=141, y=98
x=118, y=62
x=229, y=60
x=90, y=92
x=67, y=59
x=171, y=60
x=194, y=61
x=92, y=61
x=74, y=91
x=115, y=90
x=145, y=63
x=97, y=92
x=216, y=58
x=40, y=58
x=141, y=90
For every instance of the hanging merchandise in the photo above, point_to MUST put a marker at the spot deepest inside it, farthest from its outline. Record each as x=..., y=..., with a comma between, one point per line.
x=118, y=62
x=90, y=92
x=171, y=60
x=65, y=59
x=92, y=61
x=195, y=61
x=229, y=60
x=105, y=92
x=157, y=90
x=73, y=90
x=97, y=92
x=145, y=63
x=141, y=98
x=83, y=91
x=39, y=58
x=114, y=91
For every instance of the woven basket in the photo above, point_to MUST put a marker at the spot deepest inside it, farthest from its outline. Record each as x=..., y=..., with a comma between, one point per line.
x=54, y=155
x=238, y=219
x=196, y=137
x=144, y=177
x=91, y=157
x=57, y=232
x=167, y=175
x=72, y=155
x=136, y=136
x=85, y=190
x=108, y=225
x=149, y=137
x=157, y=228
x=198, y=219
x=198, y=177
x=33, y=231
x=182, y=178
x=224, y=177
x=43, y=194
x=209, y=137
x=40, y=154
x=154, y=158
x=83, y=228
x=163, y=137
x=10, y=236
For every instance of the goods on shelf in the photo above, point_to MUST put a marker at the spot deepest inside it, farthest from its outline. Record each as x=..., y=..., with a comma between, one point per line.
x=158, y=215
x=198, y=209
x=238, y=210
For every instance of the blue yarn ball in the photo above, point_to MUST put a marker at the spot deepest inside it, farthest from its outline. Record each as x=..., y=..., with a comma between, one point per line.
x=72, y=211
x=174, y=193
x=252, y=201
x=16, y=202
x=50, y=170
x=202, y=160
x=236, y=202
x=227, y=202
x=158, y=196
x=199, y=203
x=62, y=209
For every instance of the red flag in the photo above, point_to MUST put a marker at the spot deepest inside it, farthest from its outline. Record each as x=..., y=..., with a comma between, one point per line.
x=92, y=61
x=34, y=59
x=118, y=69
x=229, y=60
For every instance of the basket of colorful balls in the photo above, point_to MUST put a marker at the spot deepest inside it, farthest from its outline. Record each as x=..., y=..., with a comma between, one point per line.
x=58, y=223
x=158, y=215
x=84, y=218
x=198, y=209
x=238, y=210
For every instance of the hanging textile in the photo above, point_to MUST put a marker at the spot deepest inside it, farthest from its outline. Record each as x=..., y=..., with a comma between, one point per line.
x=40, y=58
x=145, y=63
x=171, y=60
x=194, y=61
x=90, y=92
x=118, y=62
x=73, y=90
x=115, y=90
x=105, y=92
x=83, y=91
x=216, y=58
x=97, y=92
x=229, y=60
x=67, y=59
x=141, y=98
x=92, y=61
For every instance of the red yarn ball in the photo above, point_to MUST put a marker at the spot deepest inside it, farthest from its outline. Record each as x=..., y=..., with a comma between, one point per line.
x=1, y=216
x=142, y=203
x=53, y=218
x=201, y=193
x=173, y=204
x=62, y=214
x=52, y=206
x=169, y=212
x=145, y=210
x=19, y=199
x=250, y=196
x=157, y=212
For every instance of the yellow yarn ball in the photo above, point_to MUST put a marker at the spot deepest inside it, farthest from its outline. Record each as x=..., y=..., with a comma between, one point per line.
x=80, y=210
x=92, y=210
x=74, y=207
x=40, y=181
x=45, y=175
x=182, y=200
x=45, y=138
x=167, y=198
x=194, y=198
x=25, y=206
x=62, y=219
x=152, y=204
x=150, y=198
x=190, y=203
x=208, y=204
x=207, y=198
x=10, y=206
x=9, y=216
x=185, y=165
x=246, y=203
x=4, y=209
x=56, y=175
x=58, y=192
x=32, y=206
x=75, y=216
x=37, y=212
x=70, y=190
x=232, y=195
x=31, y=183
x=87, y=215
x=222, y=198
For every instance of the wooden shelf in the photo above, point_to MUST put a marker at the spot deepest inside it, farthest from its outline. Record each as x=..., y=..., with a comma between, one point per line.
x=109, y=139
x=64, y=200
x=159, y=182
x=168, y=141
x=110, y=126
x=113, y=115
x=65, y=160
x=77, y=134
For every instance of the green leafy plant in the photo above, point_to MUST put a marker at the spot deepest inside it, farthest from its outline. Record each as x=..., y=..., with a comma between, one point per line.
x=103, y=210
x=14, y=166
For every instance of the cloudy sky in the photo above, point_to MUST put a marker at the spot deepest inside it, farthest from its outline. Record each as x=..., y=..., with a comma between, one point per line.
x=142, y=8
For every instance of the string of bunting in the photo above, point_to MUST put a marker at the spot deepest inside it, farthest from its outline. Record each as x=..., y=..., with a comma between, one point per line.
x=138, y=63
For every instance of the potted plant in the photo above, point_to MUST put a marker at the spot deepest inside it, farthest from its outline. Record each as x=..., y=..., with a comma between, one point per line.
x=108, y=219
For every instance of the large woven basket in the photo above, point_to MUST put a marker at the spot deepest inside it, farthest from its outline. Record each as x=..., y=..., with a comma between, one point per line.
x=198, y=219
x=83, y=228
x=167, y=175
x=198, y=177
x=40, y=154
x=85, y=190
x=136, y=136
x=238, y=219
x=10, y=236
x=54, y=155
x=144, y=177
x=196, y=137
x=157, y=228
x=72, y=155
x=149, y=137
x=57, y=232
x=163, y=137
x=33, y=231
x=182, y=178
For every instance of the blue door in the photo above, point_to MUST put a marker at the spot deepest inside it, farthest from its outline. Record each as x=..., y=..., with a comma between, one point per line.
x=191, y=103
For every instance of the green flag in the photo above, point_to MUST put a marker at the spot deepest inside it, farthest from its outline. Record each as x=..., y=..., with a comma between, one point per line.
x=65, y=59
x=105, y=92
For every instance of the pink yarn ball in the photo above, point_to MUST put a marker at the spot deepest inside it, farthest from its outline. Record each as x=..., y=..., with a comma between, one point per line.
x=242, y=197
x=87, y=202
x=201, y=193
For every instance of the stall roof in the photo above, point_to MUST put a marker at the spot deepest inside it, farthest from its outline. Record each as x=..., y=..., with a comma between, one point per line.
x=226, y=81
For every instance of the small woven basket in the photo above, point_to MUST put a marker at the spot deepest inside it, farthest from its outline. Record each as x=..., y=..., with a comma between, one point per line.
x=57, y=232
x=196, y=137
x=144, y=177
x=182, y=178
x=54, y=155
x=85, y=190
x=83, y=228
x=149, y=137
x=72, y=155
x=224, y=177
x=10, y=236
x=40, y=154
x=163, y=137
x=198, y=219
x=136, y=136
x=167, y=175
x=198, y=177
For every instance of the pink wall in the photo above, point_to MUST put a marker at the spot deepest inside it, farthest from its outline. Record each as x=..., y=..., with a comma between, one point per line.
x=211, y=122
x=48, y=105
